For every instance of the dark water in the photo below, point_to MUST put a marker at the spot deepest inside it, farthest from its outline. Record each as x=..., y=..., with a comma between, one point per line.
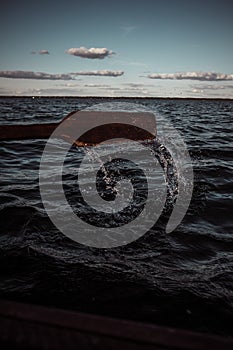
x=183, y=279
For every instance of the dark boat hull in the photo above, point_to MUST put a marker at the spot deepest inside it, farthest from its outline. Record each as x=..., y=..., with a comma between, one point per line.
x=25, y=326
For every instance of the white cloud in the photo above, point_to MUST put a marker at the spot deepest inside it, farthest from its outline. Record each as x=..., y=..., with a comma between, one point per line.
x=97, y=85
x=68, y=85
x=19, y=74
x=43, y=52
x=91, y=53
x=103, y=73
x=213, y=87
x=196, y=91
x=138, y=85
x=52, y=92
x=126, y=90
x=128, y=29
x=201, y=76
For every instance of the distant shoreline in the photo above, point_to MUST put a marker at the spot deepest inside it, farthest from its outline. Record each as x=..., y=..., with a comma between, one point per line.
x=123, y=97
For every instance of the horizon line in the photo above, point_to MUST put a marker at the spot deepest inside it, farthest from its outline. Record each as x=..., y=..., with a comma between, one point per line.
x=118, y=97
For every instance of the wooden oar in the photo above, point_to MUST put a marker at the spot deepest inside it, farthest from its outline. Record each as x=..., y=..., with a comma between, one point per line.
x=29, y=131
x=108, y=127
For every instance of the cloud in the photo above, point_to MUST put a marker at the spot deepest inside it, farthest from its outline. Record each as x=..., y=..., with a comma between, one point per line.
x=5, y=91
x=128, y=29
x=92, y=53
x=52, y=92
x=196, y=91
x=19, y=74
x=97, y=85
x=43, y=52
x=102, y=73
x=138, y=85
x=123, y=90
x=68, y=85
x=212, y=87
x=201, y=76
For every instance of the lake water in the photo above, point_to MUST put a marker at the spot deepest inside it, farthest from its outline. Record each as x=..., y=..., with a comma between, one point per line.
x=182, y=279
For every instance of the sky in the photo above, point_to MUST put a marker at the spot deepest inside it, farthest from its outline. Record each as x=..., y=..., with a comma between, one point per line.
x=143, y=48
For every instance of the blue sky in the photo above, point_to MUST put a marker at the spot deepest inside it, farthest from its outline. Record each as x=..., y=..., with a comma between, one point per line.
x=139, y=48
